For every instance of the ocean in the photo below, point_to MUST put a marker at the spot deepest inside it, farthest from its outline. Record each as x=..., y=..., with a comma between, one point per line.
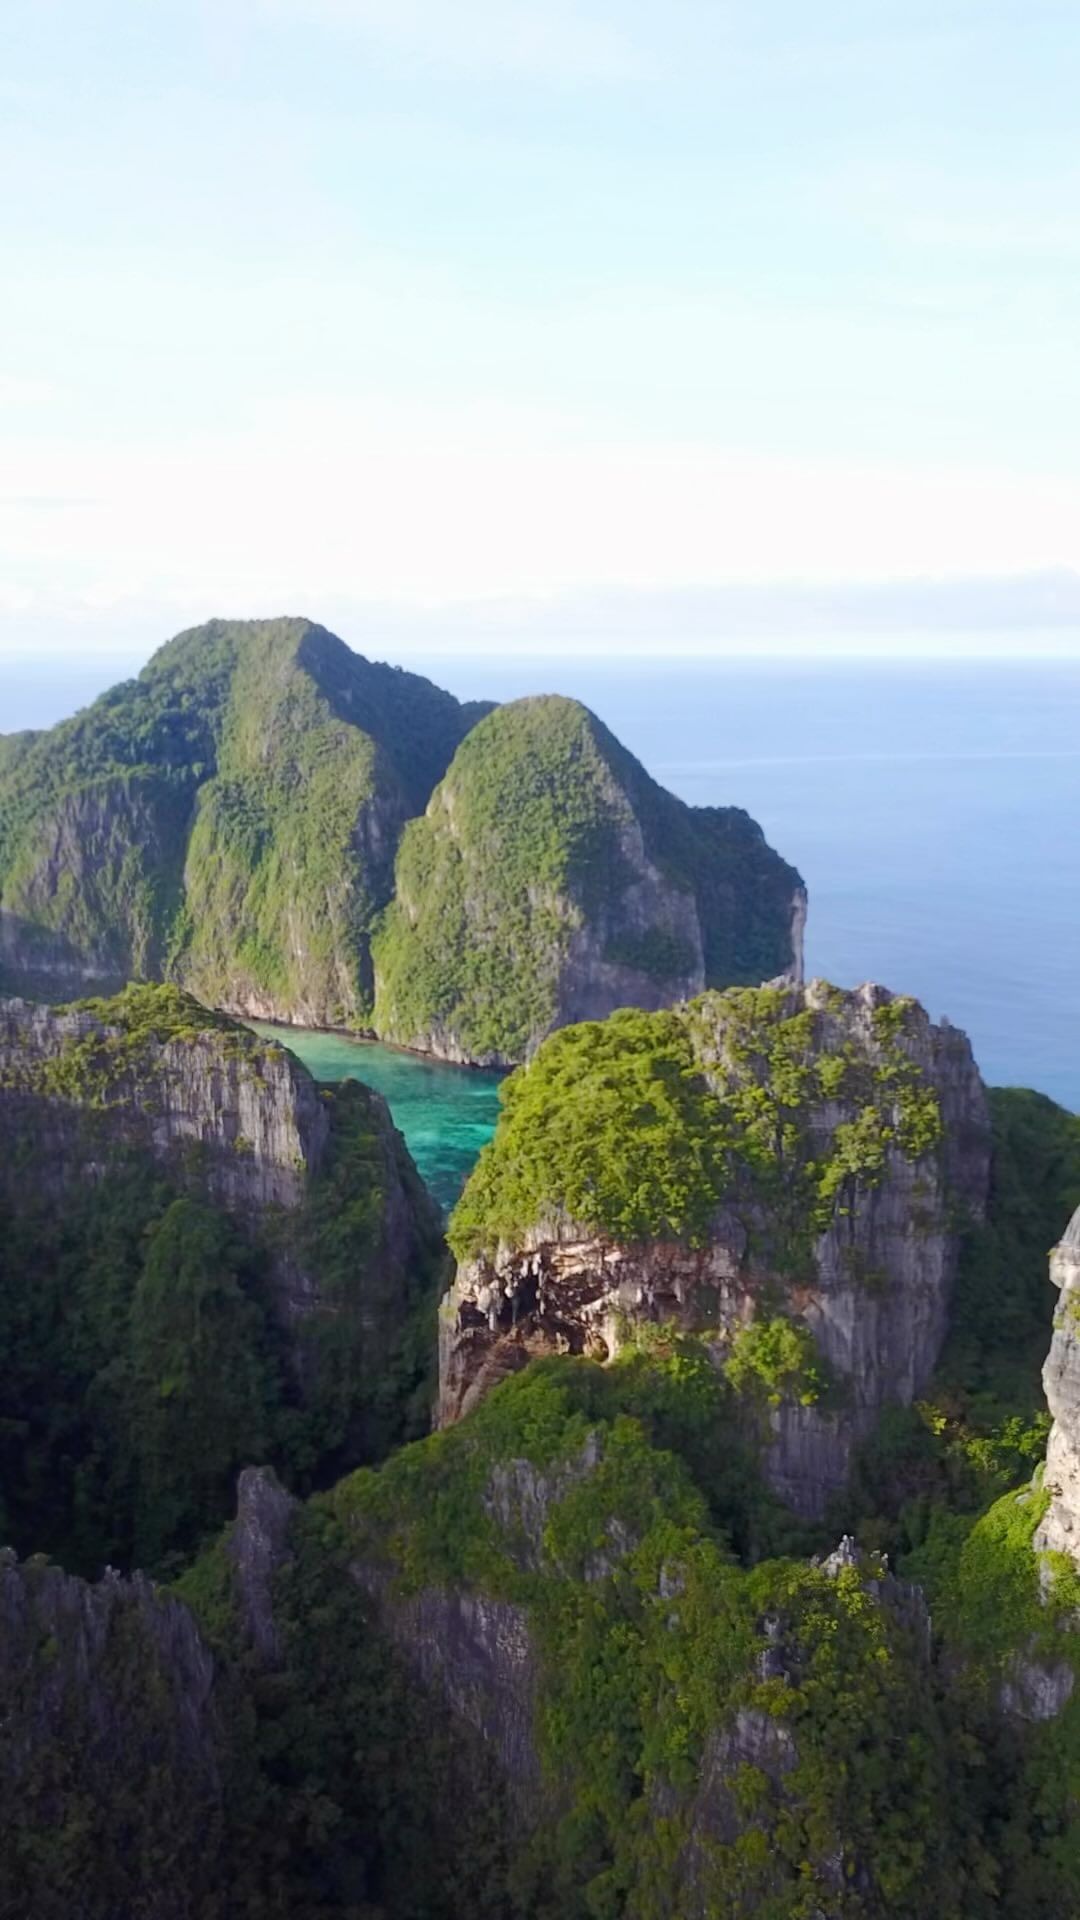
x=932, y=810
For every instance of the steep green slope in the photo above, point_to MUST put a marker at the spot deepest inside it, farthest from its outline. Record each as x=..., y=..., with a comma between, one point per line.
x=229, y=818
x=552, y=880
x=642, y=1126
x=204, y=1260
x=559, y=1661
x=981, y=1425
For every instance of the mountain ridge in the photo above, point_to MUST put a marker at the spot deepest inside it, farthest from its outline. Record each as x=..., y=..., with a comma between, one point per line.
x=240, y=816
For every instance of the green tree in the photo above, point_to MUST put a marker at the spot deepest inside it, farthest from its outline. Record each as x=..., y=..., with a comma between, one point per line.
x=201, y=1385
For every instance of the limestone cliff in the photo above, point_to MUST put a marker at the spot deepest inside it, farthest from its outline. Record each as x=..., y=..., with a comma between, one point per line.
x=245, y=818
x=123, y=1768
x=205, y=1259
x=188, y=1088
x=551, y=880
x=111, y=1758
x=235, y=1117
x=665, y=1721
x=1060, y=1528
x=797, y=1156
x=228, y=819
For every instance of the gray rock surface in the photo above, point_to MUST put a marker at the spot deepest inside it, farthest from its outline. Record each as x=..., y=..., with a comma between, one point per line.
x=1034, y=1691
x=476, y=1655
x=876, y=1301
x=1060, y=1528
x=258, y=1547
x=59, y=1637
x=251, y=1113
x=112, y=1755
x=231, y=1119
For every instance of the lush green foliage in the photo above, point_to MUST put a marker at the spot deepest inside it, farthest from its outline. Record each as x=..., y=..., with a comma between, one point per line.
x=525, y=821
x=230, y=820
x=981, y=1427
x=349, y=1791
x=720, y=1730
x=108, y=1800
x=651, y=1639
x=639, y=1126
x=778, y=1359
x=370, y=1353
x=147, y=1357
x=202, y=1385
x=524, y=848
x=613, y=1125
x=229, y=817
x=138, y=1371
x=107, y=1065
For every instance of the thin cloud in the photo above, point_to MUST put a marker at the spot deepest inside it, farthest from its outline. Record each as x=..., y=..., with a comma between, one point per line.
x=549, y=41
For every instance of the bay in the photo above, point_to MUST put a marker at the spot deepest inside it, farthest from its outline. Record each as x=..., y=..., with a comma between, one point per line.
x=930, y=806
x=446, y=1113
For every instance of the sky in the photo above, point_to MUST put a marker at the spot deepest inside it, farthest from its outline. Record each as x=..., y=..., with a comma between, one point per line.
x=669, y=324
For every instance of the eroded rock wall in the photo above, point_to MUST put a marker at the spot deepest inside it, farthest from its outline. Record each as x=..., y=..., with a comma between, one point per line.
x=250, y=1112
x=874, y=1292
x=112, y=1749
x=1060, y=1528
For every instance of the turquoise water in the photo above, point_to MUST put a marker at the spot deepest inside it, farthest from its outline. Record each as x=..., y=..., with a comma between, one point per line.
x=933, y=811
x=446, y=1113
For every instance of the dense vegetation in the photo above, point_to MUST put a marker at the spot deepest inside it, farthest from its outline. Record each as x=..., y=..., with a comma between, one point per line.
x=229, y=817
x=638, y=1126
x=230, y=820
x=721, y=1726
x=650, y=1634
x=146, y=1355
x=526, y=856
x=849, y=1772
x=982, y=1424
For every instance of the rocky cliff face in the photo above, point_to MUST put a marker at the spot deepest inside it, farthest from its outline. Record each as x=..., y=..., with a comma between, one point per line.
x=123, y=1760
x=1060, y=1529
x=233, y=820
x=193, y=1232
x=113, y=851
x=600, y=1638
x=110, y=1764
x=229, y=1116
x=74, y=1084
x=551, y=880
x=863, y=1256
x=228, y=819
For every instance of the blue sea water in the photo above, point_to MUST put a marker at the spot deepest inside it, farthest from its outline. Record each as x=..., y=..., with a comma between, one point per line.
x=446, y=1113
x=931, y=808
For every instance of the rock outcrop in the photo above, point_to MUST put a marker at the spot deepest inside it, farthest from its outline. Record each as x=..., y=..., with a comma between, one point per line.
x=233, y=820
x=603, y=1635
x=193, y=1233
x=476, y=1656
x=551, y=880
x=1060, y=1528
x=112, y=1749
x=257, y=1548
x=229, y=1116
x=229, y=819
x=823, y=1205
x=246, y=1111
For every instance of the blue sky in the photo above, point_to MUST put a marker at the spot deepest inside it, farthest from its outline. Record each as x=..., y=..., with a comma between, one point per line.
x=483, y=316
